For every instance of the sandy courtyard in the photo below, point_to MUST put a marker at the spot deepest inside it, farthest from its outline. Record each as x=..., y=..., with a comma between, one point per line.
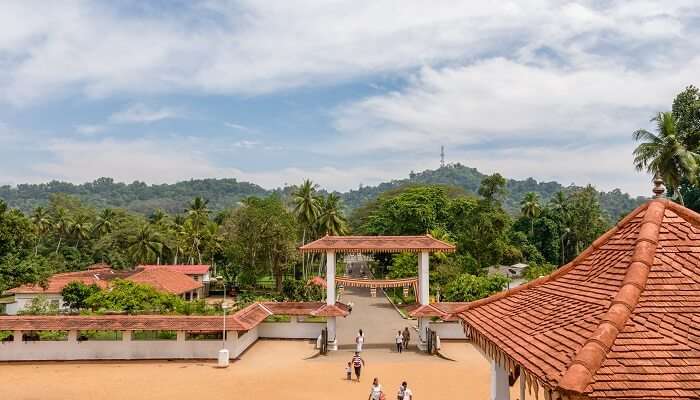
x=269, y=370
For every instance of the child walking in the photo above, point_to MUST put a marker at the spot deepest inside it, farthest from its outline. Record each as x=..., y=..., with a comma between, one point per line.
x=348, y=371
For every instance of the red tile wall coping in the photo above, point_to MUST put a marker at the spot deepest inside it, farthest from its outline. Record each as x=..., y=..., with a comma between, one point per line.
x=243, y=320
x=377, y=244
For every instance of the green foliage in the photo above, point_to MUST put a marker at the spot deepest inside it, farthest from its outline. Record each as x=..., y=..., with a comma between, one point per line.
x=31, y=270
x=467, y=287
x=133, y=298
x=413, y=211
x=76, y=293
x=404, y=265
x=260, y=236
x=296, y=290
x=534, y=271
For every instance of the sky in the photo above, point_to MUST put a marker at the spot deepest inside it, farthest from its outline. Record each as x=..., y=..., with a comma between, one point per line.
x=345, y=93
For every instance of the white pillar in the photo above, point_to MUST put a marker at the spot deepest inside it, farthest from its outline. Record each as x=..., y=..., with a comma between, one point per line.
x=330, y=298
x=522, y=384
x=423, y=295
x=424, y=278
x=72, y=336
x=500, y=390
x=330, y=278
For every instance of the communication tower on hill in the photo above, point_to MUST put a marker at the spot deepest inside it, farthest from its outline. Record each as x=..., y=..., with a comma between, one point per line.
x=442, y=156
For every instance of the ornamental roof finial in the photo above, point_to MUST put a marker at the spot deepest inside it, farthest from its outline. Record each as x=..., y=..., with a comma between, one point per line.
x=659, y=188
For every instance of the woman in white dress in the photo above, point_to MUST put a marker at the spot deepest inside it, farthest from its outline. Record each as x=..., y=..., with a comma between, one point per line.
x=376, y=391
x=359, y=340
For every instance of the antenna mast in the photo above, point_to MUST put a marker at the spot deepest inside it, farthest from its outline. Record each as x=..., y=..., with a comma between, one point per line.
x=442, y=156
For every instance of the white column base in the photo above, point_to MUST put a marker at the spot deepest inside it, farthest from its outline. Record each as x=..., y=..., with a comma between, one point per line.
x=333, y=346
x=500, y=389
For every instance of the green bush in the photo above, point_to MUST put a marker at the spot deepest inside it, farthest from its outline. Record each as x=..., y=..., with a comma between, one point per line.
x=534, y=271
x=471, y=287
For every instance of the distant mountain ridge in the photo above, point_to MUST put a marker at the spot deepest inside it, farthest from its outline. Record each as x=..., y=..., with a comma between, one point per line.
x=223, y=193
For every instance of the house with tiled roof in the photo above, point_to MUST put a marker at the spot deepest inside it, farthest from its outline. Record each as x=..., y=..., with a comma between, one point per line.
x=22, y=296
x=198, y=272
x=621, y=321
x=169, y=281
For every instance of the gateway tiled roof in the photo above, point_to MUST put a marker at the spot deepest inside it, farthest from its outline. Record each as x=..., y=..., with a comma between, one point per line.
x=377, y=244
x=166, y=280
x=199, y=269
x=445, y=310
x=620, y=321
x=243, y=320
x=56, y=283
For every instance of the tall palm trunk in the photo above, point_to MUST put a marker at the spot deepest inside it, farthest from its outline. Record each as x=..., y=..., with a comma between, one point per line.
x=59, y=243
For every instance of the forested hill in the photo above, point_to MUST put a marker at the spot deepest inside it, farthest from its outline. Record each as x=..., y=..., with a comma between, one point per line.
x=615, y=203
x=222, y=193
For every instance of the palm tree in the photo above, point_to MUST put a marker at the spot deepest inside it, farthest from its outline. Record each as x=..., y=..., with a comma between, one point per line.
x=80, y=229
x=157, y=216
x=42, y=223
x=664, y=154
x=306, y=209
x=530, y=208
x=331, y=220
x=198, y=211
x=105, y=222
x=145, y=245
x=62, y=225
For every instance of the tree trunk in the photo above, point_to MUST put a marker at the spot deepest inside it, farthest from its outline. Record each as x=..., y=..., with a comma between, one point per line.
x=59, y=244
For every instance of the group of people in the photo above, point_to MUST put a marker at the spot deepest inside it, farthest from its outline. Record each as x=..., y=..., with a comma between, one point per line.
x=376, y=392
x=402, y=339
x=357, y=362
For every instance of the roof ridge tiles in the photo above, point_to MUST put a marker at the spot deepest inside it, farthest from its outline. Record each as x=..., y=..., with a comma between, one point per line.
x=594, y=351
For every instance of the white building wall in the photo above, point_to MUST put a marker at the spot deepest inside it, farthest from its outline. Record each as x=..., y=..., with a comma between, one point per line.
x=126, y=349
x=23, y=300
x=448, y=330
x=290, y=330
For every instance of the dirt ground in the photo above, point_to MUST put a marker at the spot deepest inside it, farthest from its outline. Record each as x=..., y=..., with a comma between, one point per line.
x=268, y=370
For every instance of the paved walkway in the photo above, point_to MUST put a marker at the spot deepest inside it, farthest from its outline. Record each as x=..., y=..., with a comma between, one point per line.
x=375, y=316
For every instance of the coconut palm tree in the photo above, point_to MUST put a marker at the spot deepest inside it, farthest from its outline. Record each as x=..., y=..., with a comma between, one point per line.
x=42, y=224
x=530, y=207
x=105, y=222
x=157, y=216
x=145, y=245
x=665, y=154
x=331, y=219
x=62, y=225
x=306, y=209
x=198, y=211
x=80, y=230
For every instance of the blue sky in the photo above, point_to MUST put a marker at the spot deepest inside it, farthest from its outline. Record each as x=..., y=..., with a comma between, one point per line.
x=342, y=92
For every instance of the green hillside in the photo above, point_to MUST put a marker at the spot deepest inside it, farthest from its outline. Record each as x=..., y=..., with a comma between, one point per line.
x=222, y=193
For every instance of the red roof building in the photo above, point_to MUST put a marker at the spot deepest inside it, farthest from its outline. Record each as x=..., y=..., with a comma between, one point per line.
x=169, y=281
x=197, y=269
x=56, y=283
x=621, y=321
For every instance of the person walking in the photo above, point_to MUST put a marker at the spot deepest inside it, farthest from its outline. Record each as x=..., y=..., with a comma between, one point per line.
x=399, y=342
x=357, y=363
x=406, y=338
x=376, y=391
x=404, y=392
x=359, y=341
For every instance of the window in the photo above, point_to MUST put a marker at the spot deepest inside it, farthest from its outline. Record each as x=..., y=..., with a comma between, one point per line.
x=99, y=335
x=6, y=336
x=45, y=336
x=204, y=335
x=154, y=335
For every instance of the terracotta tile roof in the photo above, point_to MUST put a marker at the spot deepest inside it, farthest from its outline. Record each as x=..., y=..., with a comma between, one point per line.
x=319, y=309
x=620, y=321
x=57, y=282
x=445, y=310
x=198, y=269
x=166, y=280
x=377, y=244
x=243, y=320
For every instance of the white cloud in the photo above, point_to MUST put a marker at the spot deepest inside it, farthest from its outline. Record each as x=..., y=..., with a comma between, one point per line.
x=141, y=113
x=90, y=129
x=246, y=144
x=255, y=47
